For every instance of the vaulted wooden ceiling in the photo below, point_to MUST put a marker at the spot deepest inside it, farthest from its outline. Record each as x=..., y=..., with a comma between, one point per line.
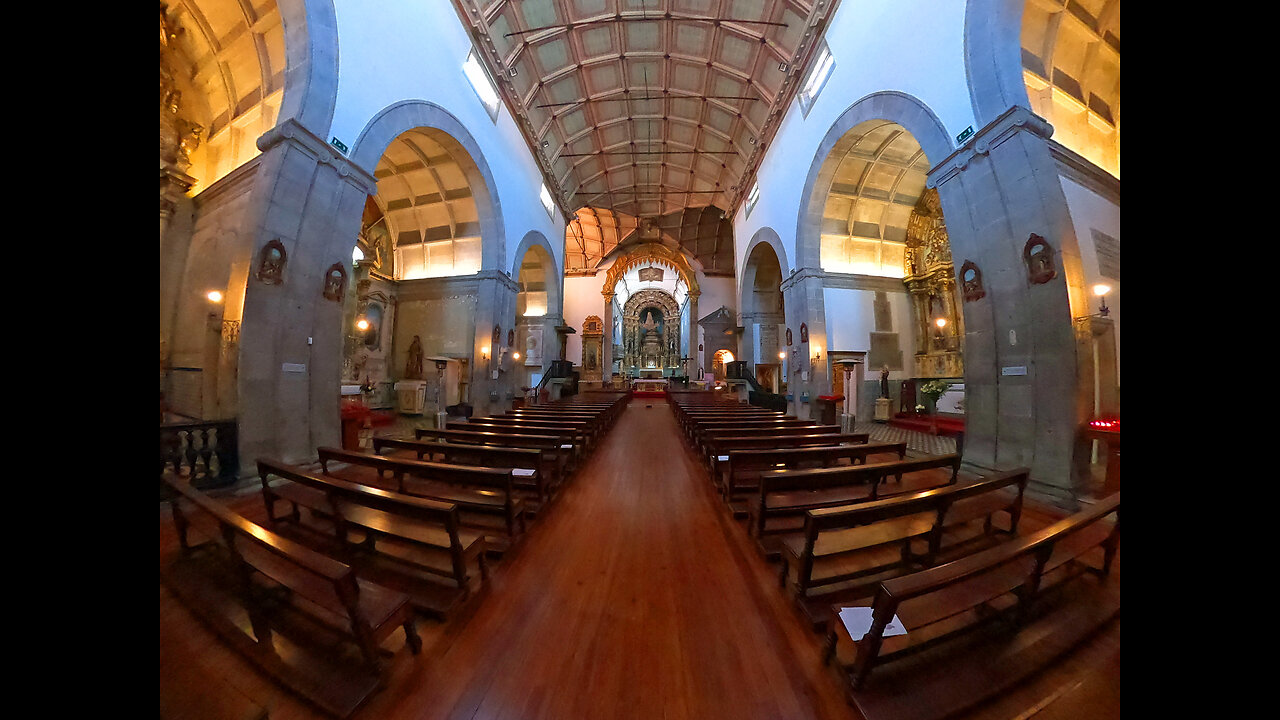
x=647, y=107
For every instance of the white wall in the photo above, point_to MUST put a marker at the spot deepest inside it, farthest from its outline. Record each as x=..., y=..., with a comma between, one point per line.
x=716, y=291
x=581, y=298
x=851, y=319
x=911, y=46
x=1090, y=211
x=403, y=51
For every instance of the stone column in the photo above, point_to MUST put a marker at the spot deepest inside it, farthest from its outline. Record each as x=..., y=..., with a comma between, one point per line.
x=606, y=350
x=1023, y=401
x=495, y=305
x=803, y=303
x=310, y=199
x=693, y=336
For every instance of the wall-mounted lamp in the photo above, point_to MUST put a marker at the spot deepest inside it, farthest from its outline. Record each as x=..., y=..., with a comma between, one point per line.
x=782, y=354
x=362, y=324
x=214, y=296
x=484, y=353
x=515, y=356
x=1101, y=291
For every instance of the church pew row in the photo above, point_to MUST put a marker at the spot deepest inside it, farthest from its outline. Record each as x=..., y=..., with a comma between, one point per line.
x=784, y=496
x=702, y=432
x=739, y=472
x=413, y=544
x=980, y=624
x=581, y=435
x=719, y=447
x=296, y=598
x=556, y=449
x=485, y=497
x=532, y=474
x=843, y=550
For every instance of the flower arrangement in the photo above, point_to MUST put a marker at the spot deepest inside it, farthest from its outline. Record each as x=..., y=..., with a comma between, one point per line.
x=933, y=390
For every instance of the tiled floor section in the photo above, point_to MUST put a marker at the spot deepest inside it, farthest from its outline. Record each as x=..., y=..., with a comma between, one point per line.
x=916, y=441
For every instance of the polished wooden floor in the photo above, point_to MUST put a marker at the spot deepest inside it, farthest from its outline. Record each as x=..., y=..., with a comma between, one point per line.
x=636, y=596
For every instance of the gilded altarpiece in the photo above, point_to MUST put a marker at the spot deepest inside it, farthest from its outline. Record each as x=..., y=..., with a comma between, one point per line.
x=650, y=331
x=592, y=347
x=930, y=280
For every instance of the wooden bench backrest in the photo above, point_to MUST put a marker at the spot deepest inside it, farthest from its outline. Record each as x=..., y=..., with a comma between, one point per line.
x=755, y=459
x=936, y=500
x=499, y=478
x=520, y=440
x=872, y=474
x=725, y=444
x=713, y=435
x=492, y=455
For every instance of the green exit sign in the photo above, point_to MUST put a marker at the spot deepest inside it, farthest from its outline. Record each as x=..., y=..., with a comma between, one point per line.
x=339, y=144
x=968, y=132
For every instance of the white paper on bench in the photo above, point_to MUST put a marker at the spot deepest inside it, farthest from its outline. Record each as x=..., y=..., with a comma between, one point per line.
x=523, y=472
x=722, y=458
x=567, y=445
x=857, y=620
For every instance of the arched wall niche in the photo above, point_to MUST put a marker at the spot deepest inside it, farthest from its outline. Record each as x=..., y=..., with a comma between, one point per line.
x=536, y=273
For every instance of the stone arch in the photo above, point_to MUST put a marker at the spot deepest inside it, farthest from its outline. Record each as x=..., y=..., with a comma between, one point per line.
x=538, y=243
x=893, y=106
x=651, y=251
x=407, y=115
x=311, y=63
x=764, y=241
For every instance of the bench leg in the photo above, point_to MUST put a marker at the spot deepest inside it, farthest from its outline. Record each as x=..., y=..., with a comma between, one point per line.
x=829, y=648
x=411, y=637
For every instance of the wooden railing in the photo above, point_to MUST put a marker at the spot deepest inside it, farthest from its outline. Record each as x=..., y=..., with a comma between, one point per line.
x=203, y=451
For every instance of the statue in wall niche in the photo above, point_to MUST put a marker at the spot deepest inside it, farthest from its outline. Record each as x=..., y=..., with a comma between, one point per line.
x=1038, y=255
x=335, y=282
x=413, y=368
x=271, y=263
x=884, y=381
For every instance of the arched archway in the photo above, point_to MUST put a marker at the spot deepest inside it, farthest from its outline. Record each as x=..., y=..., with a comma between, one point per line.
x=539, y=308
x=443, y=128
x=761, y=311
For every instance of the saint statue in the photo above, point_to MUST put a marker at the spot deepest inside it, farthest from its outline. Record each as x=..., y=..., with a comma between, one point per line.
x=884, y=381
x=413, y=368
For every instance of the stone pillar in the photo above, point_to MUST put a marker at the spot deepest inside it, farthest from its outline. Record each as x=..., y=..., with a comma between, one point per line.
x=804, y=304
x=1023, y=401
x=606, y=350
x=310, y=199
x=694, y=355
x=495, y=305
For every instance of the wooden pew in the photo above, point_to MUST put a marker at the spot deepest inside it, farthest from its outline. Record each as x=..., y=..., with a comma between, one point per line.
x=589, y=430
x=984, y=623
x=578, y=436
x=486, y=497
x=700, y=432
x=739, y=474
x=556, y=448
x=719, y=447
x=783, y=496
x=296, y=598
x=527, y=464
x=417, y=545
x=845, y=550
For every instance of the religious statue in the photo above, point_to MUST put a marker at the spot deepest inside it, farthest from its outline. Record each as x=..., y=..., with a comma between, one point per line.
x=413, y=368
x=884, y=381
x=649, y=325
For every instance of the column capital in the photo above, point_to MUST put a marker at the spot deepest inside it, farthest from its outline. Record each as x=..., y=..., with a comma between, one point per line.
x=1011, y=122
x=293, y=132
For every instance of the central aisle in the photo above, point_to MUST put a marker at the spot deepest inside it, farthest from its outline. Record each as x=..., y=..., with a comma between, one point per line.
x=636, y=597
